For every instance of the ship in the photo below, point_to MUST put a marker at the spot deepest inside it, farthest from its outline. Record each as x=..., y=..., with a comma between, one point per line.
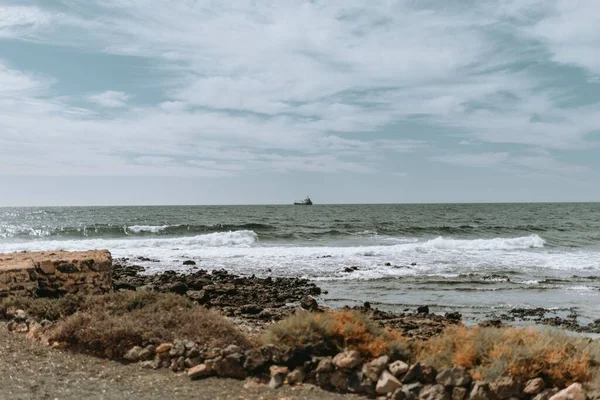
x=306, y=202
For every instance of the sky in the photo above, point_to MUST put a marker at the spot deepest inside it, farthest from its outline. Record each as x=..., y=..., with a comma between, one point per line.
x=108, y=102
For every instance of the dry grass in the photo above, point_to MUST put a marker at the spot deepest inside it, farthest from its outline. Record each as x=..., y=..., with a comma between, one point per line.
x=111, y=324
x=43, y=308
x=527, y=353
x=336, y=331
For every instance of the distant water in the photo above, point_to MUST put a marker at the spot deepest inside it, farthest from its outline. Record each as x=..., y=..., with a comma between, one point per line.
x=472, y=258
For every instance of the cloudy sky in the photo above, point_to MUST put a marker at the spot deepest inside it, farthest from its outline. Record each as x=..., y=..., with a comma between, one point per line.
x=267, y=101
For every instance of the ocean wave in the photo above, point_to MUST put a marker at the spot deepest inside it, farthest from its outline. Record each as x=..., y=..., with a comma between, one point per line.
x=524, y=242
x=146, y=228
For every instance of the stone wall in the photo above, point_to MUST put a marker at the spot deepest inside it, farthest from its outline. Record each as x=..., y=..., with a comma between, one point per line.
x=55, y=273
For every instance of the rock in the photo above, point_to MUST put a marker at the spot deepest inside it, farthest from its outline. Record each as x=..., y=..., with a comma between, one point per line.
x=398, y=368
x=178, y=349
x=545, y=394
x=189, y=262
x=146, y=353
x=231, y=349
x=387, y=383
x=423, y=310
x=429, y=374
x=480, y=391
x=411, y=390
x=434, y=392
x=455, y=376
x=414, y=373
x=347, y=359
x=199, y=371
x=230, y=366
x=506, y=387
x=134, y=354
x=276, y=382
x=459, y=393
x=534, y=386
x=178, y=287
x=339, y=380
x=251, y=309
x=164, y=347
x=192, y=362
x=297, y=376
x=453, y=316
x=573, y=392
x=398, y=395
x=325, y=365
x=374, y=368
x=254, y=360
x=309, y=303
x=323, y=379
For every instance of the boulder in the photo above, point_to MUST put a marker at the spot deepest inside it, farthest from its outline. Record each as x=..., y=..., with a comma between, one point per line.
x=347, y=359
x=309, y=303
x=134, y=354
x=387, y=383
x=414, y=373
x=230, y=366
x=480, y=391
x=459, y=393
x=254, y=360
x=297, y=376
x=340, y=380
x=573, y=392
x=325, y=365
x=374, y=368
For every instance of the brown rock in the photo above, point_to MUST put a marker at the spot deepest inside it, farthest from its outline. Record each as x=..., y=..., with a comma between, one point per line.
x=398, y=368
x=199, y=371
x=455, y=376
x=347, y=359
x=297, y=376
x=506, y=387
x=387, y=383
x=459, y=393
x=164, y=347
x=374, y=368
x=480, y=391
x=534, y=386
x=573, y=392
x=339, y=380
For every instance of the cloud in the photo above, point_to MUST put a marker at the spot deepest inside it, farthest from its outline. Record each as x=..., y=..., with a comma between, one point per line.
x=301, y=86
x=109, y=99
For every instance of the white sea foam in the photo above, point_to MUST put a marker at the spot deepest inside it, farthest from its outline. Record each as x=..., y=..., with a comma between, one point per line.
x=146, y=228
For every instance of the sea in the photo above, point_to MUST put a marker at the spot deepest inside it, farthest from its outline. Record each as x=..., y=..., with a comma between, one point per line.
x=478, y=259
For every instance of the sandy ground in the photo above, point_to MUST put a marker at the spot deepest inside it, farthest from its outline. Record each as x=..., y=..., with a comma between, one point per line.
x=31, y=371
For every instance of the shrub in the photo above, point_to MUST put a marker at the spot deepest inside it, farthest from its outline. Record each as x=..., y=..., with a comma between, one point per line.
x=338, y=330
x=111, y=324
x=43, y=308
x=528, y=353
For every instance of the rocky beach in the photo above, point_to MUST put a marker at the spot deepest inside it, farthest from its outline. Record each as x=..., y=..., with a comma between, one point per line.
x=273, y=333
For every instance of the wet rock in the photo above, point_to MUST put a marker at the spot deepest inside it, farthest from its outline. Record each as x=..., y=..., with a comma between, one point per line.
x=506, y=387
x=453, y=316
x=455, y=376
x=534, y=386
x=178, y=287
x=374, y=368
x=189, y=262
x=387, y=383
x=573, y=392
x=308, y=303
x=347, y=359
x=434, y=392
x=423, y=310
